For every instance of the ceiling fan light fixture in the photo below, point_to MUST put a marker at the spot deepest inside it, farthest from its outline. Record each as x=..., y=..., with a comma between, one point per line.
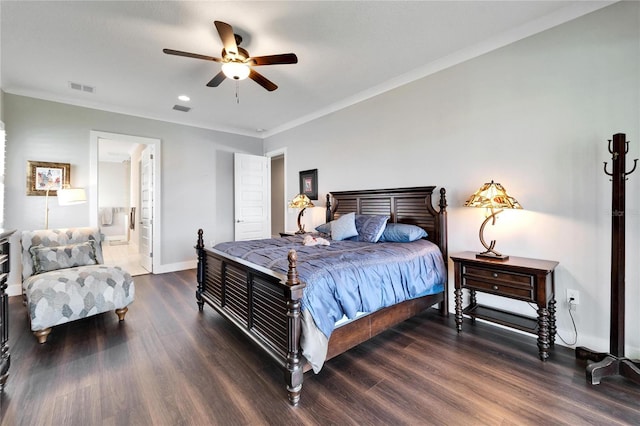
x=235, y=70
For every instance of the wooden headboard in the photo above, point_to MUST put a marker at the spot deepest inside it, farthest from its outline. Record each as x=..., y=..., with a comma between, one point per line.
x=403, y=205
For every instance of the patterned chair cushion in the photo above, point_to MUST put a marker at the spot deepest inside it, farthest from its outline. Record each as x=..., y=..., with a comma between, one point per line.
x=65, y=295
x=47, y=259
x=64, y=279
x=54, y=238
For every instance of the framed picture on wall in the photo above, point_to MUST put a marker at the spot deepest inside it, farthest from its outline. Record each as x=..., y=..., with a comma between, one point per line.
x=42, y=176
x=309, y=183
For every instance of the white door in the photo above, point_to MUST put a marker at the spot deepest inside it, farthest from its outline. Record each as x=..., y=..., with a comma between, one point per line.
x=252, y=203
x=146, y=208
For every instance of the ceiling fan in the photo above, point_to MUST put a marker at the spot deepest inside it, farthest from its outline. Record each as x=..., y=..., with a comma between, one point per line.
x=236, y=62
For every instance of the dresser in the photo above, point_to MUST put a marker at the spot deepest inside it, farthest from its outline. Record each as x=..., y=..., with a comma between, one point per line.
x=5, y=357
x=519, y=278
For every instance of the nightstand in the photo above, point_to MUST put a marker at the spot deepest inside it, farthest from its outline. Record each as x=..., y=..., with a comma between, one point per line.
x=520, y=278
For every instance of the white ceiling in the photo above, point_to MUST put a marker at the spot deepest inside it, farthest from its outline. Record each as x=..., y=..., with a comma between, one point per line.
x=347, y=50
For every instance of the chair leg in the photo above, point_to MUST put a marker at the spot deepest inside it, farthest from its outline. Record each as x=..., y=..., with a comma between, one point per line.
x=41, y=335
x=121, y=313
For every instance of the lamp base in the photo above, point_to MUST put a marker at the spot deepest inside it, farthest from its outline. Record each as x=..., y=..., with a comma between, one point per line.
x=493, y=256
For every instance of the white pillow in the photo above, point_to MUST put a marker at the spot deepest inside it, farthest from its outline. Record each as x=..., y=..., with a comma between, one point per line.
x=344, y=227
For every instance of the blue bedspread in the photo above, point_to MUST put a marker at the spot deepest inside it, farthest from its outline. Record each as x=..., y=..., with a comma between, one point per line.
x=348, y=277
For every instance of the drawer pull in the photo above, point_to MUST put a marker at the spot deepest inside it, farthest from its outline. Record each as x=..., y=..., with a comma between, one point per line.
x=495, y=275
x=495, y=287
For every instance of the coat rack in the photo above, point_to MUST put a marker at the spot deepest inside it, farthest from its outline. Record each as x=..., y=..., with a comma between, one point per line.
x=614, y=363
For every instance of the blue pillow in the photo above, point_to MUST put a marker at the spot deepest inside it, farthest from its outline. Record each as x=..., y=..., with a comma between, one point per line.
x=401, y=233
x=370, y=227
x=325, y=228
x=344, y=227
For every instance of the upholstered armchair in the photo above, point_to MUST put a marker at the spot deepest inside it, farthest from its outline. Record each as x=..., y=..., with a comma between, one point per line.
x=64, y=279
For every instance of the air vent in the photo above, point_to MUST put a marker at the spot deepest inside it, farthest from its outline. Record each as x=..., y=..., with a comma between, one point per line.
x=181, y=108
x=82, y=87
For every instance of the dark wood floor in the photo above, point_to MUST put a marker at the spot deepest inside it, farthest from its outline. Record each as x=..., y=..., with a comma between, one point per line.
x=167, y=364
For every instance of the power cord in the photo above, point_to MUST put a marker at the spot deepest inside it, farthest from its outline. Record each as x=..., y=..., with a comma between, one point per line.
x=573, y=321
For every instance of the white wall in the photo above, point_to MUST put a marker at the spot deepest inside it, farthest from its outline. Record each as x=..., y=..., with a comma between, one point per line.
x=535, y=116
x=113, y=194
x=113, y=184
x=197, y=170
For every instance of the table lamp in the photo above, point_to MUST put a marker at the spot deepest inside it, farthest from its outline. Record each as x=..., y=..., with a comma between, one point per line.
x=300, y=201
x=492, y=196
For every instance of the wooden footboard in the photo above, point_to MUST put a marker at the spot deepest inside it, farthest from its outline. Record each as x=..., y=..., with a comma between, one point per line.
x=262, y=304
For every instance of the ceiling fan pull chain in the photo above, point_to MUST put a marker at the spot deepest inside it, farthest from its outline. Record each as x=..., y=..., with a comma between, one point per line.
x=237, y=92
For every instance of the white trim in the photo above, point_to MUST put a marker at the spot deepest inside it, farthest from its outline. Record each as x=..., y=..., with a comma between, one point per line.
x=178, y=266
x=566, y=14
x=46, y=96
x=14, y=289
x=92, y=191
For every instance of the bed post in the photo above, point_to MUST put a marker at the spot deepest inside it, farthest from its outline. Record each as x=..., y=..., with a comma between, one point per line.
x=444, y=305
x=328, y=212
x=294, y=372
x=201, y=270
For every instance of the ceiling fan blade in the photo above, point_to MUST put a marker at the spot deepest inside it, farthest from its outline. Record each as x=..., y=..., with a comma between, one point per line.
x=262, y=81
x=215, y=81
x=191, y=55
x=284, y=58
x=228, y=38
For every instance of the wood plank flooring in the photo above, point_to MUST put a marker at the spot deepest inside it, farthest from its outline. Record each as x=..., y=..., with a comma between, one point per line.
x=168, y=364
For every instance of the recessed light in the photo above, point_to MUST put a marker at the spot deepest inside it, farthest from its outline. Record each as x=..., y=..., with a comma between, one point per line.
x=184, y=98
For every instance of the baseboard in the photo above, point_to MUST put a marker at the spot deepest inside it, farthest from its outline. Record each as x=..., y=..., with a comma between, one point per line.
x=591, y=342
x=14, y=289
x=173, y=267
x=115, y=237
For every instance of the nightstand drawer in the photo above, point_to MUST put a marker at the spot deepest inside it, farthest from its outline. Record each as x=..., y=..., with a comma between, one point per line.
x=499, y=277
x=499, y=288
x=502, y=283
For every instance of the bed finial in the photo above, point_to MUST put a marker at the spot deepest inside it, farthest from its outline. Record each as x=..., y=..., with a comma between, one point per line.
x=443, y=199
x=292, y=274
x=200, y=243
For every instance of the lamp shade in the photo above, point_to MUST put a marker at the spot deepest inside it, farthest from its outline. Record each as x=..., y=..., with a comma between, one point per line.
x=494, y=196
x=71, y=196
x=300, y=201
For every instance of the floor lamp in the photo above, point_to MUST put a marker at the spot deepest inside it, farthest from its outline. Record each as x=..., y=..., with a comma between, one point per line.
x=66, y=197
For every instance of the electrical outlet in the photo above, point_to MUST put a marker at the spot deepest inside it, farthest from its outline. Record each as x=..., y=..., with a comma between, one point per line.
x=575, y=295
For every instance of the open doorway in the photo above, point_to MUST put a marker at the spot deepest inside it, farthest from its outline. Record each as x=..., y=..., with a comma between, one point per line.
x=278, y=192
x=121, y=188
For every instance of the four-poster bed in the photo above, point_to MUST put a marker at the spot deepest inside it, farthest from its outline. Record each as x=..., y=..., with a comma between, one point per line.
x=266, y=305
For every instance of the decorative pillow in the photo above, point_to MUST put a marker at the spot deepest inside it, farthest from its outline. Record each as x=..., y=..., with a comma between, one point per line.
x=325, y=228
x=401, y=233
x=47, y=259
x=344, y=227
x=370, y=227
